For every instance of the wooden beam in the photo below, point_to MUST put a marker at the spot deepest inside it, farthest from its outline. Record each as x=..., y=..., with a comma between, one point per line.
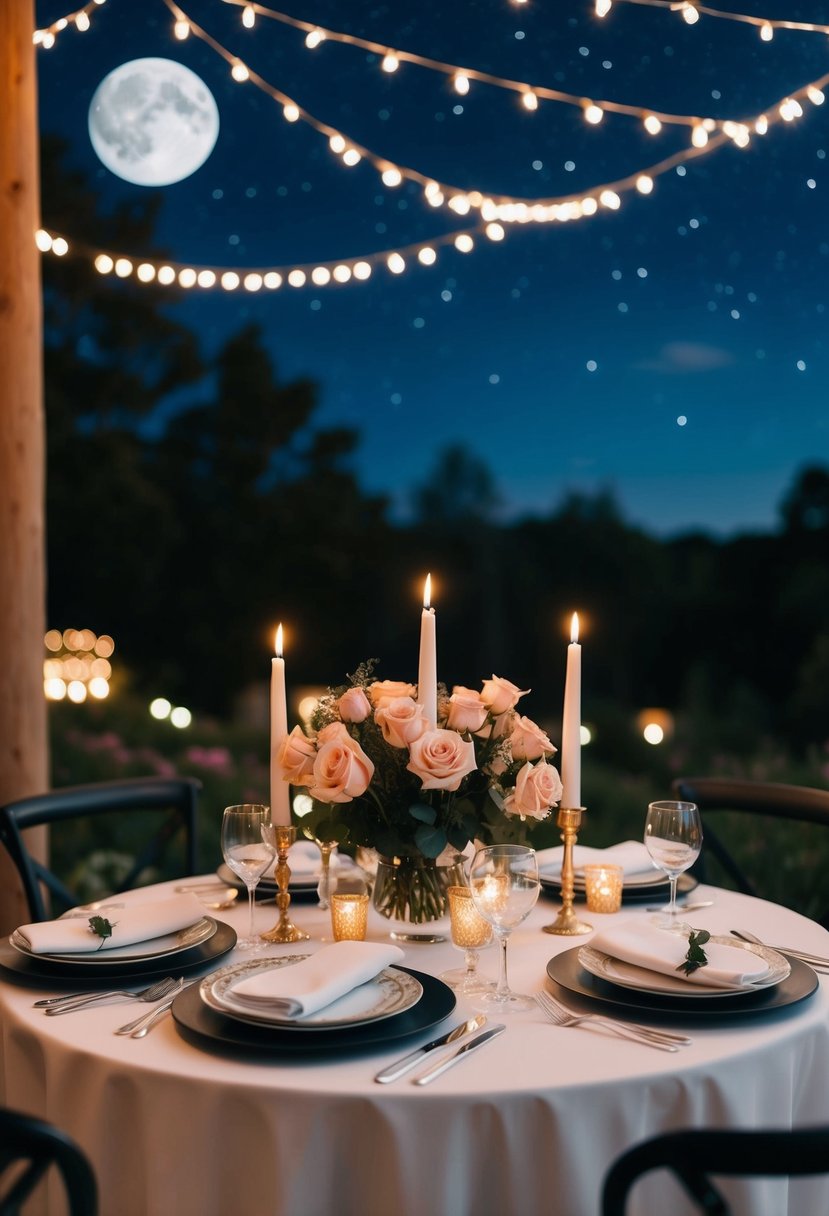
x=23, y=723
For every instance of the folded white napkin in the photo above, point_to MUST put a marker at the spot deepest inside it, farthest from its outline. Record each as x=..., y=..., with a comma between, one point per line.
x=132, y=924
x=315, y=982
x=648, y=946
x=631, y=855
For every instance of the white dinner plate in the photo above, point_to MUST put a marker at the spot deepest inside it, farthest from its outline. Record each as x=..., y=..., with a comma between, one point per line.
x=392, y=991
x=156, y=947
x=627, y=975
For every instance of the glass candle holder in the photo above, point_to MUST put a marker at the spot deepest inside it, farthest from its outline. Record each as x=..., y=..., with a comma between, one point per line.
x=603, y=887
x=349, y=916
x=470, y=933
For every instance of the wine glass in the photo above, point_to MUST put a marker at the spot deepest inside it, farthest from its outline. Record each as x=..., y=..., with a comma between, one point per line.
x=247, y=852
x=470, y=933
x=673, y=837
x=503, y=879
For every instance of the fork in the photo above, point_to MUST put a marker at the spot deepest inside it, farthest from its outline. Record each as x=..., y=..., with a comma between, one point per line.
x=68, y=1004
x=663, y=1040
x=138, y=1028
x=817, y=961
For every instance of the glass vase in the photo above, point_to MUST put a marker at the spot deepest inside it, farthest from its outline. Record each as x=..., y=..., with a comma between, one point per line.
x=412, y=892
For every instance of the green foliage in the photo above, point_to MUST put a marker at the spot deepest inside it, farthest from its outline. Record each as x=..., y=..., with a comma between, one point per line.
x=696, y=956
x=101, y=927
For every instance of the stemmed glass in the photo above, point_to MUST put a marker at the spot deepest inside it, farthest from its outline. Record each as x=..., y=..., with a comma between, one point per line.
x=247, y=852
x=326, y=848
x=673, y=837
x=503, y=879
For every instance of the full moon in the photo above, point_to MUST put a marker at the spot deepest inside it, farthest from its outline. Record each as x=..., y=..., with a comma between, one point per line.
x=153, y=122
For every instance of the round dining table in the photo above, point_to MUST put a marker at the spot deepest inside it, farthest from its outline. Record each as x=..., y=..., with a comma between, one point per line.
x=175, y=1123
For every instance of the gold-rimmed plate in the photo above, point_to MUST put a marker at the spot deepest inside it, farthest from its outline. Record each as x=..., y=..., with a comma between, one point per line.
x=145, y=951
x=629, y=975
x=392, y=991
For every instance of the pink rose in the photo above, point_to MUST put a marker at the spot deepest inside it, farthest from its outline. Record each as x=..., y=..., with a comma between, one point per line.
x=528, y=741
x=537, y=789
x=342, y=770
x=465, y=710
x=401, y=720
x=296, y=758
x=354, y=705
x=441, y=759
x=499, y=695
x=386, y=690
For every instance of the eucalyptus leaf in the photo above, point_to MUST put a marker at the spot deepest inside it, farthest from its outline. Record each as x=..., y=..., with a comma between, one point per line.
x=423, y=812
x=430, y=841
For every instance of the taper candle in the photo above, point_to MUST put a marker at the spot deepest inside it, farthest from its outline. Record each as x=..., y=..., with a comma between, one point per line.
x=280, y=790
x=427, y=678
x=571, y=723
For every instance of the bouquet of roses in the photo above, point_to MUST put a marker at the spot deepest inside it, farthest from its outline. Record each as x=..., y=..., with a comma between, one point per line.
x=381, y=776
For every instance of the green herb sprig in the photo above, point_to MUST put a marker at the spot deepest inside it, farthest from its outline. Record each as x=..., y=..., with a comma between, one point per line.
x=101, y=927
x=696, y=956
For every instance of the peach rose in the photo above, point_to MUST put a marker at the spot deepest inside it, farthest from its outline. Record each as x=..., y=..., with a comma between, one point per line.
x=465, y=710
x=537, y=789
x=528, y=741
x=296, y=758
x=354, y=705
x=342, y=770
x=401, y=720
x=441, y=759
x=386, y=690
x=499, y=695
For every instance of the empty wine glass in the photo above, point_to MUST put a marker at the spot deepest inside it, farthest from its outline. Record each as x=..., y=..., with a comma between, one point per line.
x=326, y=848
x=673, y=837
x=470, y=933
x=503, y=879
x=247, y=852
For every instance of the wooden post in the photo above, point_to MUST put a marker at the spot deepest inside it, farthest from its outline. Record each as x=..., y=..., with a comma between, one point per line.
x=23, y=724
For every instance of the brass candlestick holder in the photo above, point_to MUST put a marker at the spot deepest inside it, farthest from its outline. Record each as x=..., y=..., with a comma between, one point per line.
x=567, y=923
x=284, y=930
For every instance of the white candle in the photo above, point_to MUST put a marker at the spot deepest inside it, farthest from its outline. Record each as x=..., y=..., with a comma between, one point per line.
x=571, y=723
x=427, y=678
x=280, y=791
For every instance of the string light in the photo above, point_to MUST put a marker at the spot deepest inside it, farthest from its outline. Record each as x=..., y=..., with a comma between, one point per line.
x=766, y=25
x=80, y=18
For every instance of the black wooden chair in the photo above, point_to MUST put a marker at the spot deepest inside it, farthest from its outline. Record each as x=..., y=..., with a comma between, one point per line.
x=28, y=1148
x=176, y=799
x=694, y=1155
x=795, y=803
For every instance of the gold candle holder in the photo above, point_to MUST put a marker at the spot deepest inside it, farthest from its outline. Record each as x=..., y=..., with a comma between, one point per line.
x=284, y=930
x=567, y=923
x=349, y=917
x=603, y=887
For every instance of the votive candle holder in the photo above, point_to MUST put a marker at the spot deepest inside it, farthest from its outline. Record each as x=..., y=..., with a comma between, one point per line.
x=349, y=916
x=603, y=887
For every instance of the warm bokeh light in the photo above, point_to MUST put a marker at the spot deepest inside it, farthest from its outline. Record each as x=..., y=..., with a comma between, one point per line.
x=180, y=717
x=70, y=668
x=160, y=708
x=302, y=804
x=585, y=735
x=76, y=691
x=656, y=725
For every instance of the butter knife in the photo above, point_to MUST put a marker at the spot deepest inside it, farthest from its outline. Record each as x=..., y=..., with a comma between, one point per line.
x=414, y=1057
x=459, y=1053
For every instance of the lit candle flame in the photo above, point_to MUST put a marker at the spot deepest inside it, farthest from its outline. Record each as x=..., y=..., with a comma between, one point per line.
x=278, y=644
x=574, y=628
x=427, y=592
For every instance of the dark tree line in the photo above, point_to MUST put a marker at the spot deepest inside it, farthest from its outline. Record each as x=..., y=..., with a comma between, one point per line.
x=186, y=540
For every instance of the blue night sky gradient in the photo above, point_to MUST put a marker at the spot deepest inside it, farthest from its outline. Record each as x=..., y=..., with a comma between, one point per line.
x=565, y=356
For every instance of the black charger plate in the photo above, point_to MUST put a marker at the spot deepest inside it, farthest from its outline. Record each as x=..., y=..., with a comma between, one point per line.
x=567, y=972
x=40, y=970
x=194, y=1017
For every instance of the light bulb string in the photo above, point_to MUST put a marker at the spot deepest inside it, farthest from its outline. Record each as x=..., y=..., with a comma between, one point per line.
x=474, y=197
x=806, y=27
x=44, y=36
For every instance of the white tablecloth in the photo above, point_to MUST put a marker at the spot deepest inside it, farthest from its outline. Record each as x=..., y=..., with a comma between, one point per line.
x=525, y=1127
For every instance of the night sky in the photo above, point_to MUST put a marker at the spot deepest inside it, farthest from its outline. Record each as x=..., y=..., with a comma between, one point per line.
x=673, y=351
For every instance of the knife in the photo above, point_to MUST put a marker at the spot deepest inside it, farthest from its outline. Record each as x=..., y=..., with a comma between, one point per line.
x=448, y=1061
x=414, y=1057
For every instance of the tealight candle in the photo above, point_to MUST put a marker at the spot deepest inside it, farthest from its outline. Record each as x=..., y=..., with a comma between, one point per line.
x=469, y=929
x=349, y=917
x=603, y=887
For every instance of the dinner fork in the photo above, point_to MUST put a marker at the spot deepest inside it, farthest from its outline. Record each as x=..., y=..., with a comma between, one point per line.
x=140, y=1026
x=561, y=1016
x=68, y=1004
